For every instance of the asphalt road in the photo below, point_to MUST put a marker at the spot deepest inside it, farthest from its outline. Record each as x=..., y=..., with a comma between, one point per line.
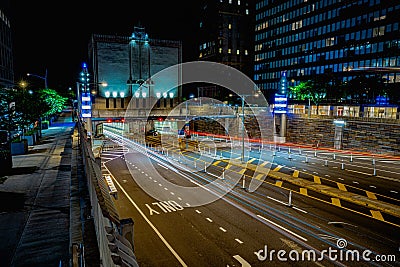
x=187, y=217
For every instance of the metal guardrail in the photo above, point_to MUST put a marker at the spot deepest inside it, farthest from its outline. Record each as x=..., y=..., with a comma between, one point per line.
x=104, y=214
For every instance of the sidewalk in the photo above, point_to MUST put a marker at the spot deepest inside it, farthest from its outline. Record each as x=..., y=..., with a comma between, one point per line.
x=35, y=201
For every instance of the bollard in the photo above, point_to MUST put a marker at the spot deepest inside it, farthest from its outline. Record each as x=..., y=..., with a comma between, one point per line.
x=374, y=171
x=299, y=151
x=274, y=153
x=290, y=198
x=315, y=153
x=306, y=159
x=243, y=183
x=290, y=156
x=342, y=166
x=334, y=156
x=205, y=167
x=351, y=157
x=326, y=163
x=373, y=161
x=223, y=174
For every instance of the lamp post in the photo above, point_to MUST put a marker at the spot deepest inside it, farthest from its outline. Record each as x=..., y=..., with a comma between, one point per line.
x=40, y=77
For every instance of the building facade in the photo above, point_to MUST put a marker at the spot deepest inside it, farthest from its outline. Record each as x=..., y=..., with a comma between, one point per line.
x=6, y=51
x=339, y=39
x=125, y=76
x=226, y=36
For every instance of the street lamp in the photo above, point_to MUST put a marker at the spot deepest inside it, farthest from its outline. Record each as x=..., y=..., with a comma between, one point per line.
x=40, y=77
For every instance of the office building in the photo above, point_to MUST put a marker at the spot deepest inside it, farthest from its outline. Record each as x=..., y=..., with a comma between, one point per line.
x=226, y=36
x=125, y=74
x=337, y=39
x=6, y=51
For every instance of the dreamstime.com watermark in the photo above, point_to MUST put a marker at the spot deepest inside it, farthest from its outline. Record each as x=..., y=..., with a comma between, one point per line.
x=333, y=254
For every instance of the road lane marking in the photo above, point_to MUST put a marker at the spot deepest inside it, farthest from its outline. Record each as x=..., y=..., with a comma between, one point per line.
x=259, y=176
x=222, y=229
x=392, y=191
x=242, y=261
x=277, y=168
x=377, y=215
x=296, y=208
x=251, y=160
x=152, y=226
x=283, y=228
x=208, y=219
x=264, y=163
x=341, y=186
x=276, y=200
x=371, y=195
x=303, y=191
x=336, y=201
x=238, y=240
x=198, y=211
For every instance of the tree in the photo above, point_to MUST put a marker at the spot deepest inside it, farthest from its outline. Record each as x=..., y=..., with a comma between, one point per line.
x=308, y=90
x=51, y=102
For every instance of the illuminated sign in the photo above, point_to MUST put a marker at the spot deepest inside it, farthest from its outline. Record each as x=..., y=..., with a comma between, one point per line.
x=280, y=103
x=86, y=106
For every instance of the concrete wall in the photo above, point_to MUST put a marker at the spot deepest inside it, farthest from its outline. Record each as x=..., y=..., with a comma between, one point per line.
x=359, y=134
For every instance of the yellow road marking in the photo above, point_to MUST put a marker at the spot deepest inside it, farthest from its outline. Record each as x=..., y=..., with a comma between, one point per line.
x=341, y=187
x=336, y=201
x=371, y=195
x=317, y=179
x=296, y=173
x=277, y=168
x=278, y=183
x=377, y=215
x=264, y=163
x=216, y=163
x=303, y=191
x=228, y=166
x=242, y=171
x=251, y=160
x=259, y=176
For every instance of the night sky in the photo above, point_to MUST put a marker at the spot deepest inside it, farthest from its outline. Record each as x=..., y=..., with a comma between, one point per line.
x=55, y=34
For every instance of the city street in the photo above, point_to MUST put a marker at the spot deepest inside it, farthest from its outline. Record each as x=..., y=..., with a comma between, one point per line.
x=239, y=227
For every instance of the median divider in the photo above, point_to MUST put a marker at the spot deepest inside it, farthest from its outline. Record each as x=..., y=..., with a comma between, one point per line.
x=354, y=198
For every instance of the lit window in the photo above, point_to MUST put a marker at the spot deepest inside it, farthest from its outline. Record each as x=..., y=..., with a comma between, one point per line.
x=246, y=52
x=237, y=52
x=229, y=26
x=230, y=1
x=220, y=50
x=238, y=2
x=247, y=11
x=229, y=51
